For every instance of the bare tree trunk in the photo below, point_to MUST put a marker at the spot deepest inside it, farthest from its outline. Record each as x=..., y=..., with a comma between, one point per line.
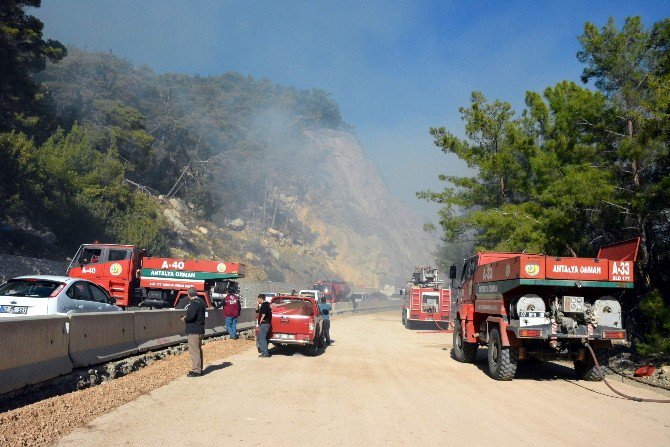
x=641, y=221
x=175, y=188
x=265, y=202
x=274, y=215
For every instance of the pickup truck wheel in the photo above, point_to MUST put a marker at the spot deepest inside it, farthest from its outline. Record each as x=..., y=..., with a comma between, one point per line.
x=586, y=369
x=503, y=360
x=464, y=352
x=313, y=349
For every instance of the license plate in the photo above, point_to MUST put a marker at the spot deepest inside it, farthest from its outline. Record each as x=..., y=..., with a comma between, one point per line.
x=286, y=336
x=524, y=314
x=13, y=310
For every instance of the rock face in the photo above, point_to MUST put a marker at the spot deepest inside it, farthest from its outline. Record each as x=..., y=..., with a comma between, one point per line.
x=367, y=235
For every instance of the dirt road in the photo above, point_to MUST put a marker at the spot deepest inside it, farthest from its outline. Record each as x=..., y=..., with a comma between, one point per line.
x=379, y=384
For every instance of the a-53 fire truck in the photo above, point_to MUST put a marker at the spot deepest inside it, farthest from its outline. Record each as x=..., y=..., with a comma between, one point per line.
x=333, y=290
x=134, y=279
x=427, y=302
x=523, y=305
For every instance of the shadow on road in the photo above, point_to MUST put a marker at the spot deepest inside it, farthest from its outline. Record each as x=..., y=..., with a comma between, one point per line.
x=530, y=369
x=211, y=368
x=289, y=351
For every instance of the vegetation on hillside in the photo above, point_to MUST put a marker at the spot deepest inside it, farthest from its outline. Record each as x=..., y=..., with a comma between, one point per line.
x=88, y=141
x=578, y=168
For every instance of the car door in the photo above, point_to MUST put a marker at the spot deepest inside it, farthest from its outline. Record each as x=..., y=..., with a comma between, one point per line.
x=101, y=299
x=80, y=295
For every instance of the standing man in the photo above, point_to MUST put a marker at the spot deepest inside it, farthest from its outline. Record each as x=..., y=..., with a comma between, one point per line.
x=264, y=319
x=231, y=310
x=325, y=310
x=195, y=330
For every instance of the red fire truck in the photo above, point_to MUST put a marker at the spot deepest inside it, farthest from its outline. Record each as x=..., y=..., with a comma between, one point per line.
x=333, y=290
x=134, y=279
x=524, y=305
x=427, y=302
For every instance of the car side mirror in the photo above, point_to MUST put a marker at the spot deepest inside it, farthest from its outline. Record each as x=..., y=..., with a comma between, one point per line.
x=452, y=271
x=112, y=300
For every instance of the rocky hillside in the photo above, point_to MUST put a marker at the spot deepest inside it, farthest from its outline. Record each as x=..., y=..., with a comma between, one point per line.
x=338, y=219
x=222, y=166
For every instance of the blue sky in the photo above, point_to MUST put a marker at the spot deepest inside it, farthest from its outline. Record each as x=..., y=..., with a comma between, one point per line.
x=395, y=67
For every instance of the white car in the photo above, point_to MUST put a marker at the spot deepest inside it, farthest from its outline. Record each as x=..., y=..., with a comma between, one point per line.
x=51, y=295
x=316, y=294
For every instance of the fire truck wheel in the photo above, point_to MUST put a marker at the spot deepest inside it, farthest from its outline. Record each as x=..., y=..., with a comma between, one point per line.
x=503, y=360
x=586, y=370
x=464, y=352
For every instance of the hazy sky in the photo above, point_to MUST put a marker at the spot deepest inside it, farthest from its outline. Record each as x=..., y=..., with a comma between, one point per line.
x=394, y=67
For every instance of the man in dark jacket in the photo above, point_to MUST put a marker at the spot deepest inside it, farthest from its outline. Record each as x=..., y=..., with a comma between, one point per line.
x=195, y=330
x=264, y=319
x=231, y=310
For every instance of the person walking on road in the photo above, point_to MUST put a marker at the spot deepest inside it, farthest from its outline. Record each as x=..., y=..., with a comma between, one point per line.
x=231, y=310
x=195, y=330
x=325, y=310
x=264, y=319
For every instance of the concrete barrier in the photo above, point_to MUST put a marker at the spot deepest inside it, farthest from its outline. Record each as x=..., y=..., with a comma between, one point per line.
x=248, y=315
x=215, y=322
x=101, y=337
x=156, y=329
x=32, y=350
x=344, y=306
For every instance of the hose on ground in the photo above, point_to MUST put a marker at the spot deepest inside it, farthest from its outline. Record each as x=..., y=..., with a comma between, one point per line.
x=625, y=396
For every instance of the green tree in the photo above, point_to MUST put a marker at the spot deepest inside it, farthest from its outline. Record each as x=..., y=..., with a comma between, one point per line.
x=630, y=66
x=579, y=168
x=23, y=52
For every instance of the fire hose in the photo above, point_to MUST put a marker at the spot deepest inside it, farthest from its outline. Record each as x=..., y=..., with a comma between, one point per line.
x=625, y=396
x=439, y=329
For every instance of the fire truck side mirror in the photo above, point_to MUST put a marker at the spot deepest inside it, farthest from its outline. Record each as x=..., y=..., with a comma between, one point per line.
x=452, y=271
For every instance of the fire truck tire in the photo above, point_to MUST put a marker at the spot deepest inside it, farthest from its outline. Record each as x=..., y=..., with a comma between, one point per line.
x=586, y=370
x=464, y=352
x=503, y=360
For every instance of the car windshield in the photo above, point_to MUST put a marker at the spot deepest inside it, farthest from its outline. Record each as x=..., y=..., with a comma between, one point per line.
x=33, y=288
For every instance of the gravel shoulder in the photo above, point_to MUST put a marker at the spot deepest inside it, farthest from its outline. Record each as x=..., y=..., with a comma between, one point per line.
x=378, y=384
x=44, y=422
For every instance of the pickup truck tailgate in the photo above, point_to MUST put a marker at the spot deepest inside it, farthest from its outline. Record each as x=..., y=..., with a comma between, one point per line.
x=292, y=321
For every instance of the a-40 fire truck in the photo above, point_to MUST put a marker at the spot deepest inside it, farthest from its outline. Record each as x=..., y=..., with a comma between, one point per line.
x=427, y=302
x=525, y=305
x=134, y=279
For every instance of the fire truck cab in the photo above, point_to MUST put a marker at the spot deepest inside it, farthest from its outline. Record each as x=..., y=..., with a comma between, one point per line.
x=427, y=303
x=134, y=279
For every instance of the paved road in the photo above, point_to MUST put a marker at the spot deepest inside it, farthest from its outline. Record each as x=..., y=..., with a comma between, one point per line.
x=379, y=384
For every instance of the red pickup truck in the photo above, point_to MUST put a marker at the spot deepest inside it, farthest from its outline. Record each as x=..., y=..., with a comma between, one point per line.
x=296, y=320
